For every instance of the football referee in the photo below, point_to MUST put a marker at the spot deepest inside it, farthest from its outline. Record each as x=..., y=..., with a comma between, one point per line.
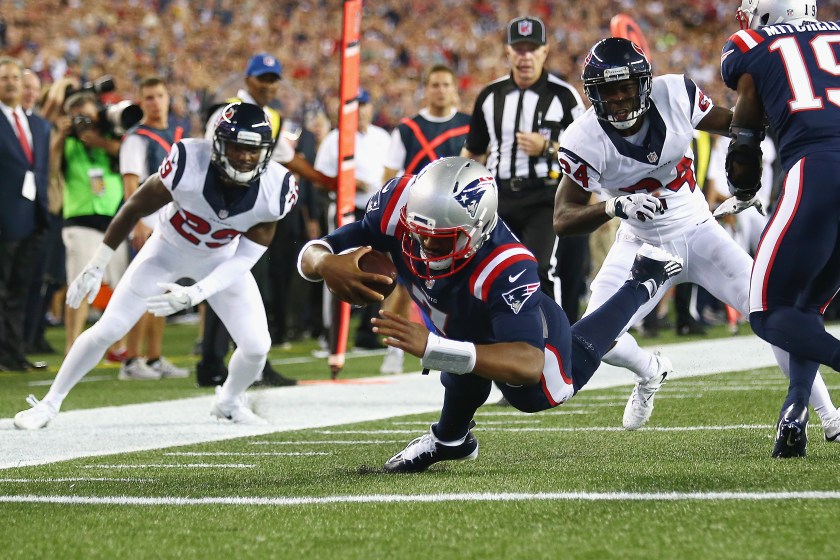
x=515, y=130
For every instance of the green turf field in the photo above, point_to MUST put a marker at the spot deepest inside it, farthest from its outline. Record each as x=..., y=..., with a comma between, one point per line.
x=569, y=483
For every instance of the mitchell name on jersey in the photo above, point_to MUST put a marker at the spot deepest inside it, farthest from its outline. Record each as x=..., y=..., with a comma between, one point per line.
x=657, y=160
x=199, y=217
x=794, y=68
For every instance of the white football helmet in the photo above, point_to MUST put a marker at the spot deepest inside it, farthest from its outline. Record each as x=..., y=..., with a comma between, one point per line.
x=453, y=199
x=757, y=13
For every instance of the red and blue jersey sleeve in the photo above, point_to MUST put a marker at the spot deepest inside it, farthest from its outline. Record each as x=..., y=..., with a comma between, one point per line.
x=380, y=227
x=506, y=281
x=737, y=54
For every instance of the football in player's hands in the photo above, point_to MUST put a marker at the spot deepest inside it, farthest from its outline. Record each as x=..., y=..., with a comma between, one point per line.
x=377, y=262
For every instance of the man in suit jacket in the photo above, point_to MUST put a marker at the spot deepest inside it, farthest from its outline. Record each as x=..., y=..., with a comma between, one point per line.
x=24, y=174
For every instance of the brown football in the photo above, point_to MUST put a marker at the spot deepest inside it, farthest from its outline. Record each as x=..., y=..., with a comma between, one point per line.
x=379, y=263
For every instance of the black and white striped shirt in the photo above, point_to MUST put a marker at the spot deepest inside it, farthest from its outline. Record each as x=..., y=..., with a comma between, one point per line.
x=502, y=110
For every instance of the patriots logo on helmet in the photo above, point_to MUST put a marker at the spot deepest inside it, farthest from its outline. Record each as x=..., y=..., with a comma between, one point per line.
x=517, y=297
x=472, y=193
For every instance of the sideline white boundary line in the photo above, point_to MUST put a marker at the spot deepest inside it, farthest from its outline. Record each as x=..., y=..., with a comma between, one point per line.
x=428, y=498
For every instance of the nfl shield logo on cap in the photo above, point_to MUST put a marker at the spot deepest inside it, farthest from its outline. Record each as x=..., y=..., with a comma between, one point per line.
x=526, y=29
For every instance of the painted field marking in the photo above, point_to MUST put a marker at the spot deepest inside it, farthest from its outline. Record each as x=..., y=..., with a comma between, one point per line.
x=245, y=454
x=175, y=466
x=427, y=498
x=580, y=429
x=76, y=479
x=329, y=442
x=86, y=379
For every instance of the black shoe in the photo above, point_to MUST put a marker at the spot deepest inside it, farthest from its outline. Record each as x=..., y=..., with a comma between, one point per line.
x=425, y=451
x=368, y=341
x=210, y=375
x=22, y=364
x=691, y=328
x=650, y=325
x=790, y=432
x=272, y=378
x=653, y=267
x=40, y=347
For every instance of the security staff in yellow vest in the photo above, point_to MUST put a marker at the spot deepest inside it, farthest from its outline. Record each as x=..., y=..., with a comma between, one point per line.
x=262, y=83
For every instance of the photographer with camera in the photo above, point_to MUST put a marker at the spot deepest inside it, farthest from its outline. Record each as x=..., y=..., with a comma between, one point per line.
x=83, y=152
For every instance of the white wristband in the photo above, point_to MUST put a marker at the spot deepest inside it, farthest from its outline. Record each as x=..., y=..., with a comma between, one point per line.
x=319, y=242
x=452, y=356
x=101, y=257
x=610, y=207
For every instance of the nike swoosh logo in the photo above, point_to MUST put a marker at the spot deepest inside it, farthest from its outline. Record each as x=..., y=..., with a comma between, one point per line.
x=515, y=278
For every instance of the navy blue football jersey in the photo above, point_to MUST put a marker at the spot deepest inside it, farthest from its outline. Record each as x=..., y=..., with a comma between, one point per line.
x=796, y=69
x=495, y=298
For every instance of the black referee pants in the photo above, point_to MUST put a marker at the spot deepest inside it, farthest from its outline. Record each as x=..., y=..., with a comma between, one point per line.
x=529, y=215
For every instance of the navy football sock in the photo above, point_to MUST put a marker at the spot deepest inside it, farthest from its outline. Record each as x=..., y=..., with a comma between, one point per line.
x=800, y=332
x=802, y=373
x=593, y=336
x=464, y=394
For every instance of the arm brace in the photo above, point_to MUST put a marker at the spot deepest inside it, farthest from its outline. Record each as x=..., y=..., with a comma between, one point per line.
x=744, y=150
x=452, y=356
x=246, y=256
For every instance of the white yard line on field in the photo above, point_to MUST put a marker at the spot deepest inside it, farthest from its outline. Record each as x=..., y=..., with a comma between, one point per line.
x=175, y=466
x=245, y=454
x=426, y=498
x=139, y=427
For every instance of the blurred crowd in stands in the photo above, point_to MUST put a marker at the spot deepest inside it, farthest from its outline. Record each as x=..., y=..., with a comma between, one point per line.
x=198, y=46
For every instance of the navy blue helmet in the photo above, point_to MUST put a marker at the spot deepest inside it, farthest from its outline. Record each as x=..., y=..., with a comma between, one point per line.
x=613, y=60
x=245, y=124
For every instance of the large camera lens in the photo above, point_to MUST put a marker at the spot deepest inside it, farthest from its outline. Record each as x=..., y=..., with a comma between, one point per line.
x=82, y=122
x=103, y=85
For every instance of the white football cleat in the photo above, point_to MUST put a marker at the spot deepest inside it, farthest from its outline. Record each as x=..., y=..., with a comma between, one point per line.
x=36, y=417
x=831, y=426
x=236, y=411
x=167, y=369
x=392, y=364
x=137, y=370
x=640, y=405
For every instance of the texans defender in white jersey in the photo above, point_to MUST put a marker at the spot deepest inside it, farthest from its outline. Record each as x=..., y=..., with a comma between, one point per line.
x=634, y=145
x=222, y=201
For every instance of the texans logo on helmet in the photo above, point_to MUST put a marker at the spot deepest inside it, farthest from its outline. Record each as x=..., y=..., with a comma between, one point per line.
x=472, y=193
x=517, y=297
